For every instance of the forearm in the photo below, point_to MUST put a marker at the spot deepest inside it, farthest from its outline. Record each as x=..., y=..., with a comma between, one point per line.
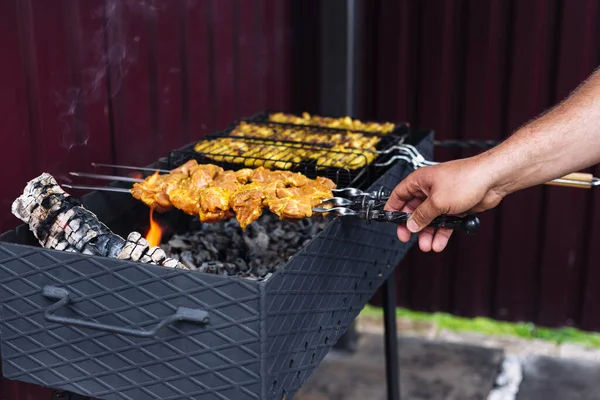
x=564, y=140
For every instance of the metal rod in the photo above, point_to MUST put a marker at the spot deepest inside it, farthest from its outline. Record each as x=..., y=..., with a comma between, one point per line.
x=392, y=368
x=106, y=177
x=129, y=167
x=99, y=188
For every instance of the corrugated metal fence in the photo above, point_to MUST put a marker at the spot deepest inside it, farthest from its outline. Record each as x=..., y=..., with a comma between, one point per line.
x=478, y=70
x=124, y=81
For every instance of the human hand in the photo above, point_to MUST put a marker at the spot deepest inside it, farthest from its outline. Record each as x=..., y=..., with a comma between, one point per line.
x=451, y=188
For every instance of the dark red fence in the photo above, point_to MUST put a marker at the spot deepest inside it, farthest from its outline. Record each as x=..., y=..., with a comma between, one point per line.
x=479, y=70
x=125, y=81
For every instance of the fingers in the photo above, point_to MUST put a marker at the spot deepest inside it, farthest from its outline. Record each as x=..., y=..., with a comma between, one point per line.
x=403, y=233
x=402, y=194
x=440, y=240
x=422, y=216
x=426, y=239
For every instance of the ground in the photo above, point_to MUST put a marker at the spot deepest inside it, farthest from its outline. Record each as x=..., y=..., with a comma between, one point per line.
x=442, y=364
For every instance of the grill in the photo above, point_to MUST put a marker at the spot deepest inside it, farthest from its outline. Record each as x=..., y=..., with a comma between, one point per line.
x=113, y=329
x=279, y=145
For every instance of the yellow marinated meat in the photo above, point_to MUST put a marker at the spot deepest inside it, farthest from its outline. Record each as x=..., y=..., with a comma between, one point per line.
x=214, y=194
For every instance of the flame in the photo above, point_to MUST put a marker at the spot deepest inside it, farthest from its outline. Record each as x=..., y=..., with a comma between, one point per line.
x=154, y=233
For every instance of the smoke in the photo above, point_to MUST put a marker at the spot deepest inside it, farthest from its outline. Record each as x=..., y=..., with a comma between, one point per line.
x=102, y=78
x=108, y=59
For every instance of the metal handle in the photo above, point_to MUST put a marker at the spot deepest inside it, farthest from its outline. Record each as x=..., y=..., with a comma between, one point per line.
x=63, y=298
x=468, y=224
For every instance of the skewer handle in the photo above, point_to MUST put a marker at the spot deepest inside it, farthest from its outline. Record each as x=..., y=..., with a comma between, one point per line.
x=469, y=224
x=576, y=180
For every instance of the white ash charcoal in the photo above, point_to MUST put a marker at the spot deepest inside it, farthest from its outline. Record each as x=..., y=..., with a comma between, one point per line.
x=187, y=258
x=171, y=263
x=60, y=222
x=138, y=249
x=179, y=243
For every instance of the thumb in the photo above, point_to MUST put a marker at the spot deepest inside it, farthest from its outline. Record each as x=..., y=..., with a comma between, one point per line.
x=422, y=216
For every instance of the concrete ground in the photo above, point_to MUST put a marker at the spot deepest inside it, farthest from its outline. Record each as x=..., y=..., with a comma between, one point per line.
x=444, y=365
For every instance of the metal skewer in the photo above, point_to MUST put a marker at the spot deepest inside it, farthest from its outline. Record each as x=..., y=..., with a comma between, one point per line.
x=129, y=167
x=98, y=188
x=106, y=177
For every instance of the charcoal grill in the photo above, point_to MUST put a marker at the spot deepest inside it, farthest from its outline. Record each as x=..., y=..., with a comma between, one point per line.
x=260, y=339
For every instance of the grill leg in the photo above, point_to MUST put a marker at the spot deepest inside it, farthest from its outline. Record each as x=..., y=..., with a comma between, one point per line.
x=392, y=369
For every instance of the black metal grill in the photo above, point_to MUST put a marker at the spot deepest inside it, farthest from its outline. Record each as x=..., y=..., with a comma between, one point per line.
x=263, y=338
x=355, y=168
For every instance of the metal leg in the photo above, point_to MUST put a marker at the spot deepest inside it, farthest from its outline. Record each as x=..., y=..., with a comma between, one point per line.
x=392, y=369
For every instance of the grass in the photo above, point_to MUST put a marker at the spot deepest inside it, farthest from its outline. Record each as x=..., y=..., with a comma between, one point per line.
x=492, y=327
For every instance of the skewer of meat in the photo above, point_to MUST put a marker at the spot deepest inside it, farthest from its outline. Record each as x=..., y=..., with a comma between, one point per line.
x=215, y=194
x=60, y=222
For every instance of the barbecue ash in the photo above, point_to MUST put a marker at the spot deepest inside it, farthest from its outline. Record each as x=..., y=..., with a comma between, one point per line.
x=60, y=222
x=223, y=248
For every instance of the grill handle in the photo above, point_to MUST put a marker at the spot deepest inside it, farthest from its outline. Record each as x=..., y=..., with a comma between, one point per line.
x=63, y=298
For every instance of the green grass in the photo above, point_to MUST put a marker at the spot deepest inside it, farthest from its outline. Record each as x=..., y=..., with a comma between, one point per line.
x=493, y=327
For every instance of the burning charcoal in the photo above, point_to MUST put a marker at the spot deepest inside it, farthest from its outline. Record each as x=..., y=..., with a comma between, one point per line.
x=188, y=259
x=259, y=243
x=223, y=248
x=60, y=222
x=231, y=269
x=289, y=236
x=221, y=243
x=179, y=243
x=202, y=256
x=209, y=246
x=241, y=265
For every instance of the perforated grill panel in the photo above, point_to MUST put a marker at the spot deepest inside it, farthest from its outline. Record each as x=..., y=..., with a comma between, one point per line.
x=184, y=361
x=314, y=299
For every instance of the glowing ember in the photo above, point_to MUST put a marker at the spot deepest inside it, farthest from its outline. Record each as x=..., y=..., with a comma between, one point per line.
x=154, y=233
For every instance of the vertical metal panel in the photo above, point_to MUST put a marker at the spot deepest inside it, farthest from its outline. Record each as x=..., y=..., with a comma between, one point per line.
x=226, y=82
x=482, y=116
x=17, y=135
x=170, y=60
x=565, y=234
x=202, y=112
x=522, y=222
x=580, y=26
x=442, y=70
x=134, y=84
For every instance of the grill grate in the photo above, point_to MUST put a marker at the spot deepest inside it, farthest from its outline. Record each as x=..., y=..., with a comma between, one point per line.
x=311, y=150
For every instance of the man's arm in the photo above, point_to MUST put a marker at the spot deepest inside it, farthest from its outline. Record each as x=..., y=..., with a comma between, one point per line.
x=563, y=140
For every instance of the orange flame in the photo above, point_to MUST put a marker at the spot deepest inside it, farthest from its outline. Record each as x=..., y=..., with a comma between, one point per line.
x=154, y=233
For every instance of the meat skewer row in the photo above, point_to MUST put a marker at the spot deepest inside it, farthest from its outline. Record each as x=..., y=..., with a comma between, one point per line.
x=329, y=122
x=215, y=194
x=349, y=139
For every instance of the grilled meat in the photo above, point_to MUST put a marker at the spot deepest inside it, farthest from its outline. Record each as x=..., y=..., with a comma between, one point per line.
x=343, y=123
x=215, y=194
x=256, y=145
